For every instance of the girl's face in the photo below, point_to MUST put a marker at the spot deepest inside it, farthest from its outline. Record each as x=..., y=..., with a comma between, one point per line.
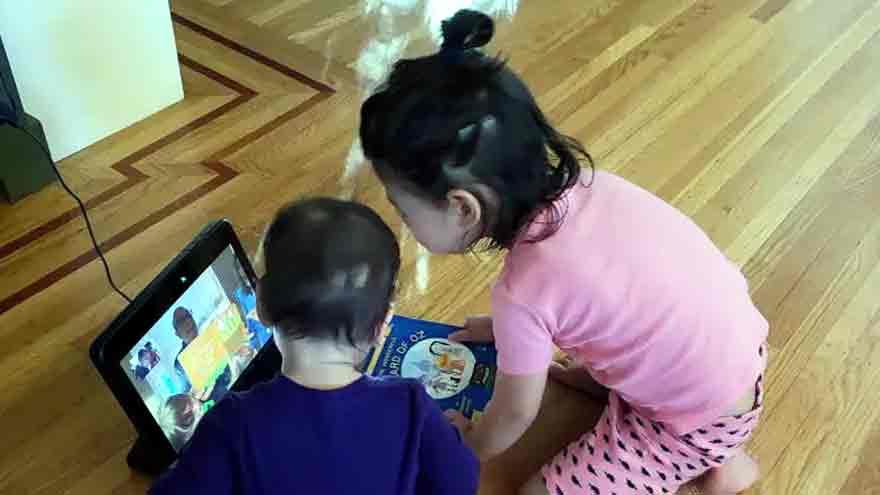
x=443, y=227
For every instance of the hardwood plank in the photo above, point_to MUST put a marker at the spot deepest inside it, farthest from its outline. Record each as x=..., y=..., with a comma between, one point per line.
x=89, y=173
x=821, y=339
x=839, y=416
x=865, y=479
x=666, y=87
x=762, y=225
x=759, y=119
x=792, y=145
x=269, y=44
x=657, y=149
x=823, y=246
x=601, y=29
x=769, y=9
x=768, y=101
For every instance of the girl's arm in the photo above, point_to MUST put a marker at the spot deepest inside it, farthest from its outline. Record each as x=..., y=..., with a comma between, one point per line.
x=528, y=350
x=514, y=406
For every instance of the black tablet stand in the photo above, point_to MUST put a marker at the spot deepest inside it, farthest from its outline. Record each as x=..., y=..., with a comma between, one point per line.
x=148, y=457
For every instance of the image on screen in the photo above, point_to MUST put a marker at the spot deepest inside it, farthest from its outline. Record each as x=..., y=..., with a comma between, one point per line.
x=189, y=359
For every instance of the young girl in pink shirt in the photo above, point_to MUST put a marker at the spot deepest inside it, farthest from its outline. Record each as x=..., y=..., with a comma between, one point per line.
x=638, y=297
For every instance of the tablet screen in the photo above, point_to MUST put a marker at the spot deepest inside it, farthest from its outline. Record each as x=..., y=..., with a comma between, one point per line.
x=198, y=348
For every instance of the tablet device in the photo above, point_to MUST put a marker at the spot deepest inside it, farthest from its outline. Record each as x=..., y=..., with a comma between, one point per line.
x=184, y=342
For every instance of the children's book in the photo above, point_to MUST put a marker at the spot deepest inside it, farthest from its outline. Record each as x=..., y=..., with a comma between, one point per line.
x=458, y=376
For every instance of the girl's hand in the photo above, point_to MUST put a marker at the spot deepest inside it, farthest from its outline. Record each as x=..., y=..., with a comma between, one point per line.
x=458, y=420
x=476, y=329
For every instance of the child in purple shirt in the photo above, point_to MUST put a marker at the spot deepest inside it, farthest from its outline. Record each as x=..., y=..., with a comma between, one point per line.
x=321, y=426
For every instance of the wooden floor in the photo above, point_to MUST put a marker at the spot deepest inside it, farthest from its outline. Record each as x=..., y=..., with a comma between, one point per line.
x=759, y=118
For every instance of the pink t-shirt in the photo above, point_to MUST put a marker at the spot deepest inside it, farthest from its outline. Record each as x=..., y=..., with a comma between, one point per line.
x=636, y=292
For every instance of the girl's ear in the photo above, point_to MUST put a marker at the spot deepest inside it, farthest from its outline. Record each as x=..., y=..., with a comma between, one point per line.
x=467, y=209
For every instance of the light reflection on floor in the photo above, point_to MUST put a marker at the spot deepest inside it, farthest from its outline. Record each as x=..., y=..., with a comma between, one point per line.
x=395, y=23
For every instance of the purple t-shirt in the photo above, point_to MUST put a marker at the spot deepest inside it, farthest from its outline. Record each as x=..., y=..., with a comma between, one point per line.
x=382, y=436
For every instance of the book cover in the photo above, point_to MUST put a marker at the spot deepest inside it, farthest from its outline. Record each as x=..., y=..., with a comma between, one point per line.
x=457, y=376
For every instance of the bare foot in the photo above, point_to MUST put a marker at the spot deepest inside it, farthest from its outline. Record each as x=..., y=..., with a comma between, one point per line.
x=577, y=378
x=735, y=476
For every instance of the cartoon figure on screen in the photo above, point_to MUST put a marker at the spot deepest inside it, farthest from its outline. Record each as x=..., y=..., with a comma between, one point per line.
x=179, y=416
x=239, y=361
x=148, y=358
x=247, y=303
x=186, y=330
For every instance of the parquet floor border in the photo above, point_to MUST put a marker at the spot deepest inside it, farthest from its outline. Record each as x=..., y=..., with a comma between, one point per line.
x=127, y=166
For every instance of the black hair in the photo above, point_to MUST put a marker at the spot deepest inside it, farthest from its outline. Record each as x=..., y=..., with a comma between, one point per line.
x=180, y=313
x=459, y=118
x=331, y=269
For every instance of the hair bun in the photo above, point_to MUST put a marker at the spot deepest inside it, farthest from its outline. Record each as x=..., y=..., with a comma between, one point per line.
x=467, y=29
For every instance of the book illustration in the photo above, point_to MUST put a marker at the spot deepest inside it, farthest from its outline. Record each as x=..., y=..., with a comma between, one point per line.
x=445, y=368
x=457, y=376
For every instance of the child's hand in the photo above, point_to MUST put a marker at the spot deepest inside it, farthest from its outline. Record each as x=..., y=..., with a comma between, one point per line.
x=458, y=420
x=204, y=394
x=245, y=351
x=476, y=329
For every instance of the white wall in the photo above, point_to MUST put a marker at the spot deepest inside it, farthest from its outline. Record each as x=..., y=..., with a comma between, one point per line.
x=89, y=68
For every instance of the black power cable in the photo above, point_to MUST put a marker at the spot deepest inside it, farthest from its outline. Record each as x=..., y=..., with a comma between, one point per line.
x=82, y=206
x=82, y=209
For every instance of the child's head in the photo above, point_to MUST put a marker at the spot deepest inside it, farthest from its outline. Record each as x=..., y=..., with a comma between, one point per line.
x=147, y=356
x=144, y=358
x=184, y=325
x=461, y=146
x=181, y=412
x=330, y=272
